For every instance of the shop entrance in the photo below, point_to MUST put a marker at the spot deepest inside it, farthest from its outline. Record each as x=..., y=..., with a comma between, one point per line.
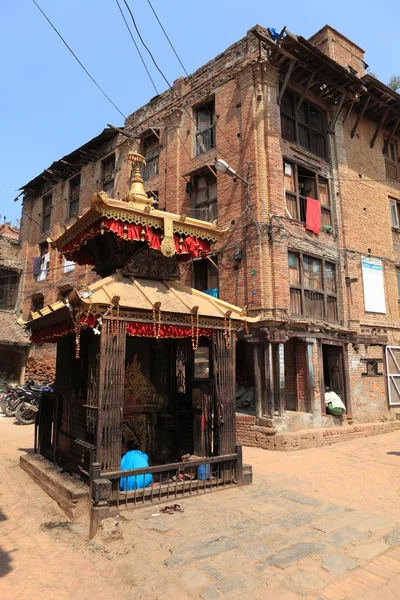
x=333, y=370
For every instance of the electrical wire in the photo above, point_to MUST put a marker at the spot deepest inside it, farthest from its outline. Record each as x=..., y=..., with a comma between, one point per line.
x=168, y=83
x=77, y=59
x=166, y=35
x=137, y=47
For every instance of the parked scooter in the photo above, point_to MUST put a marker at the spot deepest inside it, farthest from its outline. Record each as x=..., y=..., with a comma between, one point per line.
x=28, y=407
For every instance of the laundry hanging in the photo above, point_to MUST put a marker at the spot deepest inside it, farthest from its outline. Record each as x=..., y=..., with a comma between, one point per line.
x=313, y=216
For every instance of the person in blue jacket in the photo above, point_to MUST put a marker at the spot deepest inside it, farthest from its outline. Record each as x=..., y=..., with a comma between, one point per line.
x=134, y=459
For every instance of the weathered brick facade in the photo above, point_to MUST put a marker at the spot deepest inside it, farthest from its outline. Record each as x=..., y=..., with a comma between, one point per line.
x=14, y=341
x=339, y=344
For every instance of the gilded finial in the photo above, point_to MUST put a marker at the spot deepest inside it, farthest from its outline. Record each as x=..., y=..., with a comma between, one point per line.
x=136, y=192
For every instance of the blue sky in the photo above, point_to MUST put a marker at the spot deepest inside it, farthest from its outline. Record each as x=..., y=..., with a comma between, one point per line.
x=49, y=106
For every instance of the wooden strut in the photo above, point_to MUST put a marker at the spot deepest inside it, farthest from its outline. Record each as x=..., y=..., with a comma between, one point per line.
x=381, y=122
x=286, y=80
x=391, y=134
x=331, y=128
x=303, y=94
x=360, y=116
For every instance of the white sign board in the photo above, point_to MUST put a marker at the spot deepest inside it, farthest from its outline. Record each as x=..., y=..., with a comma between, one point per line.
x=374, y=290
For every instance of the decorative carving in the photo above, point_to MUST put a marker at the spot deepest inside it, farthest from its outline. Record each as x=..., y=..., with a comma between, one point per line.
x=151, y=264
x=141, y=403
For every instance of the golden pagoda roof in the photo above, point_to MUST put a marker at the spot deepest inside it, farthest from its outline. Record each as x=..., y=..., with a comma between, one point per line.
x=139, y=213
x=141, y=295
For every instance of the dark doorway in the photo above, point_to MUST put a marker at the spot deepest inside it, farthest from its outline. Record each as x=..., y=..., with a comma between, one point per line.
x=332, y=357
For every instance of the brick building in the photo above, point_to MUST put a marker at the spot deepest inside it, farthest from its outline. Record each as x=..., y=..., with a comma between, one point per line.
x=313, y=142
x=14, y=341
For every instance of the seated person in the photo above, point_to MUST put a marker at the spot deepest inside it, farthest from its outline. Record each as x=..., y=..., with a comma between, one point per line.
x=134, y=459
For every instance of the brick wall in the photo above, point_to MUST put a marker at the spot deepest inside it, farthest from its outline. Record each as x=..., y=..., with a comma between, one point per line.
x=245, y=88
x=249, y=434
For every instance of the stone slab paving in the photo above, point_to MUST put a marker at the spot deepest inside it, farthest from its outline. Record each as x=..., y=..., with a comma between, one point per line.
x=275, y=540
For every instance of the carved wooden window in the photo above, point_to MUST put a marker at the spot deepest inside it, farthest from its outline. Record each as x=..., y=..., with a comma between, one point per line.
x=107, y=175
x=151, y=152
x=313, y=291
x=74, y=194
x=8, y=289
x=301, y=183
x=205, y=197
x=37, y=302
x=205, y=127
x=392, y=161
x=46, y=212
x=304, y=124
x=371, y=367
x=180, y=369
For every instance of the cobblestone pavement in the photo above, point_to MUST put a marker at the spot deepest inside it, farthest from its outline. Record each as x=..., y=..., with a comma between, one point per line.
x=322, y=524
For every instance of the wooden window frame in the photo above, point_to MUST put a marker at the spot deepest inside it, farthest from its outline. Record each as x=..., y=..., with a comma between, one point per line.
x=396, y=203
x=209, y=267
x=205, y=139
x=37, y=302
x=323, y=291
x=9, y=282
x=73, y=196
x=299, y=198
x=296, y=123
x=398, y=282
x=210, y=201
x=107, y=179
x=392, y=164
x=46, y=211
x=151, y=168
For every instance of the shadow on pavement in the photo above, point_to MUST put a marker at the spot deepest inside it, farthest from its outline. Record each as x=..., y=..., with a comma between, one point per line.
x=5, y=559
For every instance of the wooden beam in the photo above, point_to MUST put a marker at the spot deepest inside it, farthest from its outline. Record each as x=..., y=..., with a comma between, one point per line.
x=315, y=408
x=303, y=95
x=391, y=134
x=381, y=122
x=331, y=128
x=360, y=116
x=269, y=404
x=286, y=80
x=257, y=378
x=281, y=377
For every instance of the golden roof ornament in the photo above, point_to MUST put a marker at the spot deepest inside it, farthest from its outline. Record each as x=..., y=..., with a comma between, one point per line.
x=136, y=192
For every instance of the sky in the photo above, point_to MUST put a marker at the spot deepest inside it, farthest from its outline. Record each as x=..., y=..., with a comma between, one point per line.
x=49, y=106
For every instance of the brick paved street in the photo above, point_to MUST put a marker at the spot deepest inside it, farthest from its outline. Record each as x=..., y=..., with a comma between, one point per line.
x=321, y=524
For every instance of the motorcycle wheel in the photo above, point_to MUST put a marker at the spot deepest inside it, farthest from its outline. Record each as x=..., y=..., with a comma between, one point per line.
x=25, y=416
x=8, y=410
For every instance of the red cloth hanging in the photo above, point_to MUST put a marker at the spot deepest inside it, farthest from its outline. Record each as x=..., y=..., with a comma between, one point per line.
x=313, y=215
x=166, y=331
x=188, y=245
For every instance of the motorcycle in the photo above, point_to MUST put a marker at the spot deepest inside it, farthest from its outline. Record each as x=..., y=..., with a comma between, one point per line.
x=11, y=398
x=28, y=406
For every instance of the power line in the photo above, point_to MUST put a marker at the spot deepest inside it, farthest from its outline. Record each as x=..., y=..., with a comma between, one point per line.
x=166, y=35
x=187, y=74
x=77, y=59
x=144, y=44
x=137, y=47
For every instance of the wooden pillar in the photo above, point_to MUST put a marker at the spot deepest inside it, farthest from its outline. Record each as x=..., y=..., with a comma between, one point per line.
x=346, y=378
x=257, y=353
x=281, y=380
x=269, y=400
x=224, y=359
x=315, y=407
x=111, y=394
